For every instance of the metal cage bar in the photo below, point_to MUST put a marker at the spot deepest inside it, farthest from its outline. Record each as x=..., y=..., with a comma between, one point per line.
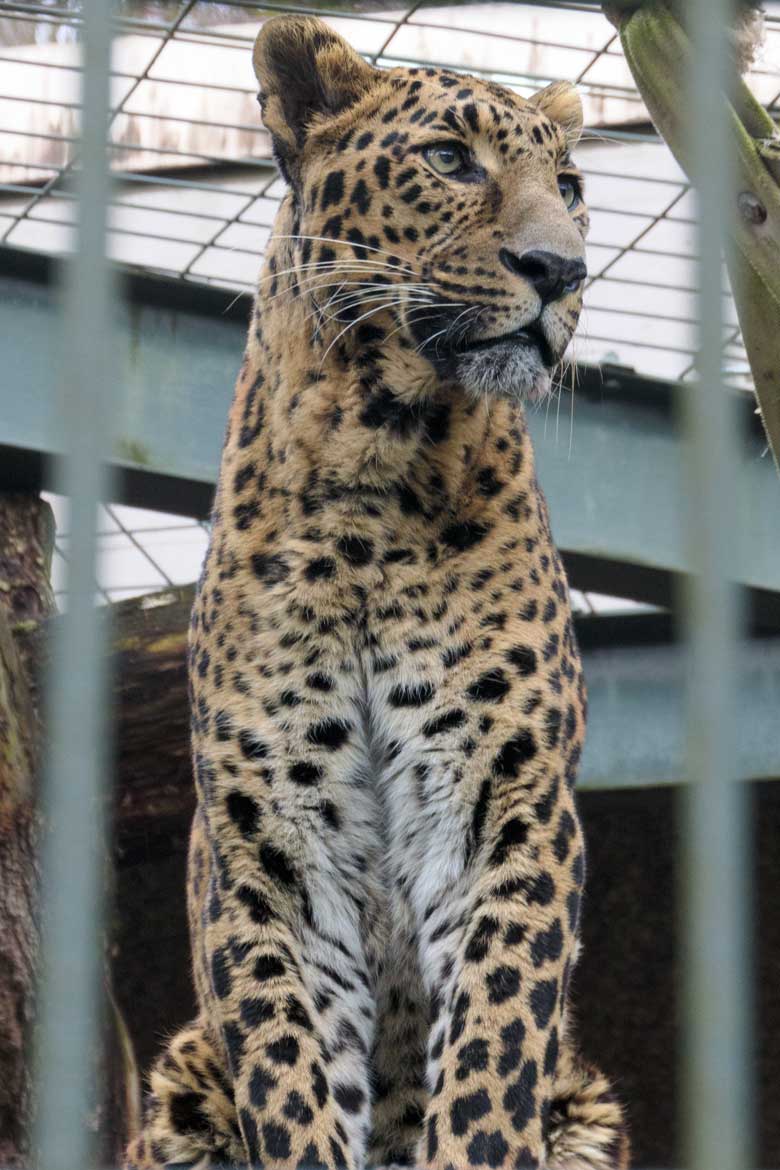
x=76, y=749
x=715, y=1103
x=716, y=1114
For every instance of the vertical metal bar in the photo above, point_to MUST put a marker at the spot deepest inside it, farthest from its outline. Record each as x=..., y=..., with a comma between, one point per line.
x=716, y=1121
x=76, y=755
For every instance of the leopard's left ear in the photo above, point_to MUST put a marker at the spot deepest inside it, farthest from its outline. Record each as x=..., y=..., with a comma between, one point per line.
x=305, y=70
x=561, y=103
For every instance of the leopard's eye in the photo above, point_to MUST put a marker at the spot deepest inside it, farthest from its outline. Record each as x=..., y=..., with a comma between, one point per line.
x=570, y=191
x=448, y=158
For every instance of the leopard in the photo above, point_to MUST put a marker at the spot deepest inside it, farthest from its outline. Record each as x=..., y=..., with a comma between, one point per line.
x=388, y=709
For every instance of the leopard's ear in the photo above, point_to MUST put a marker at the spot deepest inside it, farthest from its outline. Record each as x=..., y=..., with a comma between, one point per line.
x=561, y=103
x=305, y=69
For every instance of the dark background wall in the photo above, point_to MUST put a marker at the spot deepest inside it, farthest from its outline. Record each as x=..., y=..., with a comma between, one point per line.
x=626, y=989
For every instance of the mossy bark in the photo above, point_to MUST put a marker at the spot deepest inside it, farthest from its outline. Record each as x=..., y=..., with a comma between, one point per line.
x=26, y=540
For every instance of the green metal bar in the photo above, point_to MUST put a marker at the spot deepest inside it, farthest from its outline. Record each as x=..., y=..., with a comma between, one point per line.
x=611, y=459
x=636, y=710
x=76, y=749
x=717, y=1099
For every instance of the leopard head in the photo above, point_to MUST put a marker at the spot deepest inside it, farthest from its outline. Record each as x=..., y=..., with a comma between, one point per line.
x=433, y=213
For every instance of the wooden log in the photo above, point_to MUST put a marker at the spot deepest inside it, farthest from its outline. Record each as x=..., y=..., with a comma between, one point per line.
x=152, y=732
x=152, y=806
x=152, y=800
x=149, y=669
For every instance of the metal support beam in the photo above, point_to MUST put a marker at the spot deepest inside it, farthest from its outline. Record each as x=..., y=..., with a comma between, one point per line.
x=637, y=706
x=611, y=459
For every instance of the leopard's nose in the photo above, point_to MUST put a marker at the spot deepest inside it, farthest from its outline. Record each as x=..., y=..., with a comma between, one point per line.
x=550, y=275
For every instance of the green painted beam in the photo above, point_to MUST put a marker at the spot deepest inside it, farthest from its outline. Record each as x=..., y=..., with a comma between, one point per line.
x=610, y=460
x=178, y=349
x=637, y=722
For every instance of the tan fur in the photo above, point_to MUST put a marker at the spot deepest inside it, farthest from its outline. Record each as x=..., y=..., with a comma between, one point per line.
x=388, y=706
x=561, y=103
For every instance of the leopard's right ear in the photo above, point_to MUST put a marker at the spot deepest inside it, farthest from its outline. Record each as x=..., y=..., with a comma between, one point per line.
x=306, y=72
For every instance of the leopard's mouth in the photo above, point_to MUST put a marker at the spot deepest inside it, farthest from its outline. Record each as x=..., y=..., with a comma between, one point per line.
x=528, y=336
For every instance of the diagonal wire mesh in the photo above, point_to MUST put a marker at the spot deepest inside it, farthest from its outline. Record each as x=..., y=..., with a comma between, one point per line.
x=139, y=551
x=717, y=1037
x=197, y=191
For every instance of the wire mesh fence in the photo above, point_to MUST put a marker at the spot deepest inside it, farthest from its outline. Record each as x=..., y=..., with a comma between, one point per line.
x=177, y=206
x=196, y=191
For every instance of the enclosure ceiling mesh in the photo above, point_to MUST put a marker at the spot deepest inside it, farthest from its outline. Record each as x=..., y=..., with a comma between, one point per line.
x=142, y=552
x=197, y=191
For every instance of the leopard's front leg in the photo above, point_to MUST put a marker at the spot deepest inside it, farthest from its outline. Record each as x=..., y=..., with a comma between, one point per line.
x=283, y=893
x=497, y=950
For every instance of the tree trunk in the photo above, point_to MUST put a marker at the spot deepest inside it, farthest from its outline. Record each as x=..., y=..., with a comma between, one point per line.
x=26, y=609
x=18, y=899
x=26, y=538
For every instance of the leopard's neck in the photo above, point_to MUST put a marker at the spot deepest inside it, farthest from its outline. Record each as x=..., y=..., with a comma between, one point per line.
x=337, y=421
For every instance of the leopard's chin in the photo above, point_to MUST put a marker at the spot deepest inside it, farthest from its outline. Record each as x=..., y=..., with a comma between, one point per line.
x=505, y=370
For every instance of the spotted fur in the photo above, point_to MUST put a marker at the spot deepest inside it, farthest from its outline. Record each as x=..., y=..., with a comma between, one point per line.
x=387, y=700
